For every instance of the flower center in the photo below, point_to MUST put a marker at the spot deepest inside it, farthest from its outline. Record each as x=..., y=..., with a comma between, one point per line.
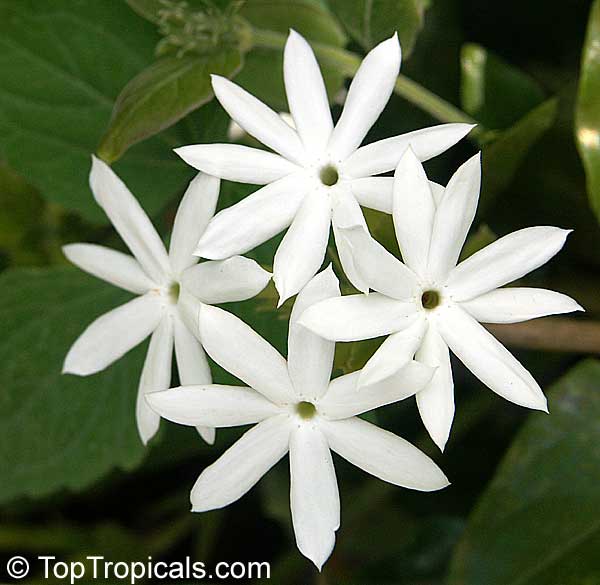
x=306, y=410
x=430, y=299
x=174, y=290
x=329, y=175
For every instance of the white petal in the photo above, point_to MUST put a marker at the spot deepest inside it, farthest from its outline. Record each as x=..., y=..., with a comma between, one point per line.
x=195, y=211
x=368, y=94
x=489, y=360
x=212, y=405
x=314, y=497
x=512, y=305
x=453, y=218
x=112, y=335
x=242, y=465
x=306, y=94
x=377, y=268
x=129, y=219
x=505, y=260
x=436, y=400
x=302, y=250
x=225, y=281
x=258, y=120
x=413, y=212
x=398, y=349
x=347, y=213
x=188, y=310
x=254, y=220
x=241, y=351
x=384, y=455
x=192, y=365
x=345, y=399
x=115, y=267
x=156, y=375
x=374, y=192
x=310, y=357
x=356, y=317
x=383, y=156
x=237, y=163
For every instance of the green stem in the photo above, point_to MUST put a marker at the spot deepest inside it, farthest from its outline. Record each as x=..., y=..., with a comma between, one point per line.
x=348, y=63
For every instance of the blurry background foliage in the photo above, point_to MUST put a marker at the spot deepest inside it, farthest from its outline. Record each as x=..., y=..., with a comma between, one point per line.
x=129, y=79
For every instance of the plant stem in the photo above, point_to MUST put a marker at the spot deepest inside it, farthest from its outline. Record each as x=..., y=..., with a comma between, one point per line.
x=347, y=63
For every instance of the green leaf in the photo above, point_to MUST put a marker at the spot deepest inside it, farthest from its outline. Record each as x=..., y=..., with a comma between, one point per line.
x=494, y=92
x=537, y=522
x=504, y=155
x=262, y=74
x=62, y=64
x=161, y=95
x=587, y=123
x=60, y=431
x=371, y=21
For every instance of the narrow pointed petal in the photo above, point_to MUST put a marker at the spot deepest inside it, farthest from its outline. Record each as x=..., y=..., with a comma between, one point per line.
x=505, y=260
x=394, y=353
x=302, y=250
x=192, y=364
x=306, y=94
x=383, y=156
x=368, y=94
x=377, y=268
x=512, y=305
x=130, y=220
x=156, y=375
x=195, y=211
x=252, y=221
x=115, y=267
x=374, y=192
x=212, y=405
x=356, y=317
x=242, y=465
x=453, y=218
x=188, y=310
x=489, y=360
x=436, y=400
x=258, y=120
x=241, y=351
x=347, y=213
x=413, y=212
x=314, y=496
x=345, y=399
x=384, y=455
x=310, y=357
x=112, y=335
x=235, y=162
x=225, y=281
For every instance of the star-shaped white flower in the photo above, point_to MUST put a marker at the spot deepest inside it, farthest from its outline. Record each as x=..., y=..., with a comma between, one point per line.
x=317, y=174
x=171, y=287
x=430, y=304
x=298, y=409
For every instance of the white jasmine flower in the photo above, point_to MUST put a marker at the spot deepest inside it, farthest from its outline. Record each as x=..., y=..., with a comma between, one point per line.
x=430, y=304
x=298, y=409
x=317, y=174
x=171, y=287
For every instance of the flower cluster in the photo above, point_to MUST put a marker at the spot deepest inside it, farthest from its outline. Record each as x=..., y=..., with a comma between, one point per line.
x=315, y=175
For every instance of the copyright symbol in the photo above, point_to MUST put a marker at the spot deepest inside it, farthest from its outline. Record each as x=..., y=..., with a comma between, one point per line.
x=17, y=567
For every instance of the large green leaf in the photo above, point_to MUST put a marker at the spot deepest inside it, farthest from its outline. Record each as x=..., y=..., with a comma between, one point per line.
x=59, y=431
x=62, y=64
x=537, y=522
x=494, y=92
x=161, y=95
x=371, y=21
x=588, y=109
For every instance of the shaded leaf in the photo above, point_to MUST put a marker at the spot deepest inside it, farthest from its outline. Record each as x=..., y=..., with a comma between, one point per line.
x=60, y=431
x=371, y=21
x=587, y=123
x=537, y=522
x=62, y=64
